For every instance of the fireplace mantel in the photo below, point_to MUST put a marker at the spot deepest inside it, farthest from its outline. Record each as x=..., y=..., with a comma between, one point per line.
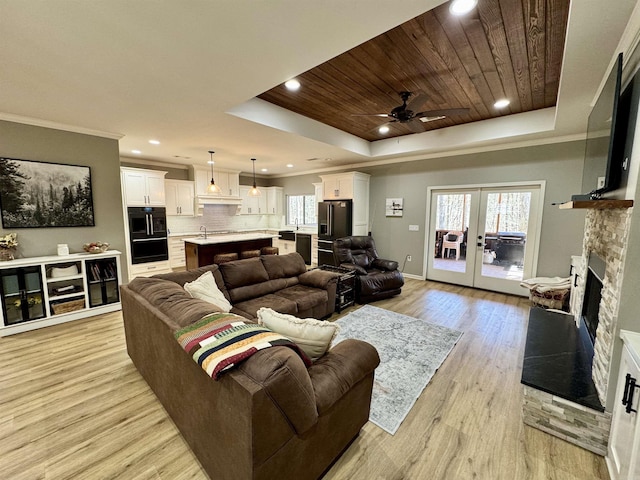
x=603, y=204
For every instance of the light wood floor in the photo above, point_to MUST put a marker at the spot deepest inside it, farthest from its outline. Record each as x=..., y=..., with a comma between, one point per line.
x=72, y=406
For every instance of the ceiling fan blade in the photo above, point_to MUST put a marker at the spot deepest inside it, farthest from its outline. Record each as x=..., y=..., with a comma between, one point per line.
x=444, y=111
x=369, y=114
x=415, y=125
x=417, y=101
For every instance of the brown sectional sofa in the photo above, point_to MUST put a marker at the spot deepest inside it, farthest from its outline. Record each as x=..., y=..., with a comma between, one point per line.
x=280, y=282
x=270, y=417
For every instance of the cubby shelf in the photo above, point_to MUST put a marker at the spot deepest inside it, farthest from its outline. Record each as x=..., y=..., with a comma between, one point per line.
x=32, y=295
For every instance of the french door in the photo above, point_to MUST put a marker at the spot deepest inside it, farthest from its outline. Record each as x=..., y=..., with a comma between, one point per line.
x=484, y=237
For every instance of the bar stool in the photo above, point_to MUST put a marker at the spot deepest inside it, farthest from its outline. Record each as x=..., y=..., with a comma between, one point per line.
x=269, y=251
x=250, y=254
x=224, y=257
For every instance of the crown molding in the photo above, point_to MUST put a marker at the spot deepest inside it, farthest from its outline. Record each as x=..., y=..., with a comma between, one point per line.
x=37, y=122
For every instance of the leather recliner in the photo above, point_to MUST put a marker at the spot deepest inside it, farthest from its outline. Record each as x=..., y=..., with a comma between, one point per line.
x=376, y=278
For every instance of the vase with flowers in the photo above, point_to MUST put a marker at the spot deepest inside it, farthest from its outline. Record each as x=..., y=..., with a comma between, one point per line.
x=8, y=244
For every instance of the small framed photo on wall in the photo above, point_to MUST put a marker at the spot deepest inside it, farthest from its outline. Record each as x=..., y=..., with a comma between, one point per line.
x=393, y=207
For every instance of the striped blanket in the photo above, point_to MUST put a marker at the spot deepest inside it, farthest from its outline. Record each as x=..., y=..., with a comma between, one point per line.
x=219, y=341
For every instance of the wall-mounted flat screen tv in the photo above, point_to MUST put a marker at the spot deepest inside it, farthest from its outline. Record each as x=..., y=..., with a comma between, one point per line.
x=606, y=135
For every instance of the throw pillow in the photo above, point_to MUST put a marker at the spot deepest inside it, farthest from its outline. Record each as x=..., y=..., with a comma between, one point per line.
x=313, y=336
x=205, y=288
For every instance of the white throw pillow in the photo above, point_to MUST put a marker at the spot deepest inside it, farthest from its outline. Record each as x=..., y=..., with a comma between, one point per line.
x=205, y=288
x=313, y=336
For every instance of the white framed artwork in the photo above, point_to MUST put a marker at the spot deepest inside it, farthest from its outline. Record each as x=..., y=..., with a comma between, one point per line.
x=393, y=207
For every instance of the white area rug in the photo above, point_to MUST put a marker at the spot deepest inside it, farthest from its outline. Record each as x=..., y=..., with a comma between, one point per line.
x=410, y=349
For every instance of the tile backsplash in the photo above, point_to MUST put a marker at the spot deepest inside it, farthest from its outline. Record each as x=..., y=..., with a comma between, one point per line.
x=217, y=218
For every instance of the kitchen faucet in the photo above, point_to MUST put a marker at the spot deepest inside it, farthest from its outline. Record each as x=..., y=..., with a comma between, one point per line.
x=205, y=231
x=297, y=227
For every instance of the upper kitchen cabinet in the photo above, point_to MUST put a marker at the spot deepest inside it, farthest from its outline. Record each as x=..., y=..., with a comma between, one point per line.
x=180, y=197
x=143, y=188
x=344, y=186
x=227, y=180
x=253, y=205
x=275, y=200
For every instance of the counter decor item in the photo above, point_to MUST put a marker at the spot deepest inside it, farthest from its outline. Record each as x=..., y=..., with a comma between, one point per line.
x=8, y=245
x=95, y=247
x=63, y=249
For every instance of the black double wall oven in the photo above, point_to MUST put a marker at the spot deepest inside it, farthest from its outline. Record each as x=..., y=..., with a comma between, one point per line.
x=148, y=234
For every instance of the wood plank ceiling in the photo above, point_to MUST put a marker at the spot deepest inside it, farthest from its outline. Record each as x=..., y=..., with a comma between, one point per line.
x=503, y=49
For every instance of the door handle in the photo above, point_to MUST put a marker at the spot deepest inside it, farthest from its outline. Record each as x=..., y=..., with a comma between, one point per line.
x=146, y=217
x=629, y=390
x=151, y=222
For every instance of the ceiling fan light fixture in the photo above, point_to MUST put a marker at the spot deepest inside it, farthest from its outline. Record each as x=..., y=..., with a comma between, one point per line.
x=383, y=129
x=292, y=85
x=502, y=103
x=254, y=192
x=462, y=7
x=212, y=188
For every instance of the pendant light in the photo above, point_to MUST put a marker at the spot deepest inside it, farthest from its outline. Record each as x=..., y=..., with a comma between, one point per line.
x=254, y=192
x=212, y=188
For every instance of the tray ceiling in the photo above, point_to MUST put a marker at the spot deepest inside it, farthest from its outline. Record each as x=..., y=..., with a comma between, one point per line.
x=502, y=49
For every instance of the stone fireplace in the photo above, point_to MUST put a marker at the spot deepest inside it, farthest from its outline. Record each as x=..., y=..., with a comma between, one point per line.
x=566, y=365
x=605, y=234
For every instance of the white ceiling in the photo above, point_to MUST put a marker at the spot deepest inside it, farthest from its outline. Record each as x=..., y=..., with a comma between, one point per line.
x=186, y=74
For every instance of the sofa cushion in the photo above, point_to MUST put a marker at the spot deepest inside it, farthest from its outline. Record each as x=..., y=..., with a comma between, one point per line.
x=277, y=303
x=304, y=297
x=280, y=266
x=248, y=292
x=313, y=336
x=173, y=300
x=205, y=288
x=243, y=272
x=191, y=275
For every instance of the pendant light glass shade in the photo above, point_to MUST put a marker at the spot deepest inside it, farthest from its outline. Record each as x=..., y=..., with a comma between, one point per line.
x=254, y=192
x=212, y=188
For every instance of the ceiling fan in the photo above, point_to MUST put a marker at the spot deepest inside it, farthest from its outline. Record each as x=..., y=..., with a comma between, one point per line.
x=408, y=113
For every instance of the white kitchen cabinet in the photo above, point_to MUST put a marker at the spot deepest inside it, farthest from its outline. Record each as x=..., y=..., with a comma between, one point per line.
x=623, y=458
x=179, y=197
x=319, y=195
x=177, y=257
x=253, y=205
x=337, y=187
x=275, y=200
x=227, y=180
x=143, y=188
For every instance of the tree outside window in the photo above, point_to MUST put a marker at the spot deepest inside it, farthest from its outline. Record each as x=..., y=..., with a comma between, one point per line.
x=301, y=210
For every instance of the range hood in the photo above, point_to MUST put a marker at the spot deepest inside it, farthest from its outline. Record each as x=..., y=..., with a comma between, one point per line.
x=217, y=200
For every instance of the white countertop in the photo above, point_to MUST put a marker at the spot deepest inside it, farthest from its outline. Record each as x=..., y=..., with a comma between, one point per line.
x=229, y=238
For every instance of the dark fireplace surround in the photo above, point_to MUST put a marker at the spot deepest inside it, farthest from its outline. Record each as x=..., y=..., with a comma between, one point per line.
x=559, y=354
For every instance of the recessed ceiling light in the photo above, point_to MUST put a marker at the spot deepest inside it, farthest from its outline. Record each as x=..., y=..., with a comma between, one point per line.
x=289, y=165
x=462, y=7
x=264, y=170
x=154, y=142
x=137, y=152
x=383, y=129
x=501, y=103
x=292, y=84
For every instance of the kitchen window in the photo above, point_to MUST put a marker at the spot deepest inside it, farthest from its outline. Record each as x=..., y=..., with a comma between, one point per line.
x=301, y=210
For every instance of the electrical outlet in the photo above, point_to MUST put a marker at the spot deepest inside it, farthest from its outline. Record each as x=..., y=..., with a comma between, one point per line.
x=601, y=182
x=414, y=228
x=408, y=258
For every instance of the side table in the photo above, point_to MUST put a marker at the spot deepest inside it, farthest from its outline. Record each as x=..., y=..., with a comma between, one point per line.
x=346, y=288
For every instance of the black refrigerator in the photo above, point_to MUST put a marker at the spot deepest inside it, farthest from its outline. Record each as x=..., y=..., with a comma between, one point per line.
x=334, y=221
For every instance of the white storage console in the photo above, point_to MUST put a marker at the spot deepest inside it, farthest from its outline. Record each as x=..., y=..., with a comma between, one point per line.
x=42, y=291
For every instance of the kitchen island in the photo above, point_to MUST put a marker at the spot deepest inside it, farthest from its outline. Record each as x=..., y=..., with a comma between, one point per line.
x=199, y=251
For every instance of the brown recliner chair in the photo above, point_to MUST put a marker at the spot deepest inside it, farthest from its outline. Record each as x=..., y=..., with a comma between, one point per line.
x=376, y=278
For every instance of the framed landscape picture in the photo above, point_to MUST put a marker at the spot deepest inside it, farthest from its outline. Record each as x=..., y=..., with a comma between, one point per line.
x=38, y=194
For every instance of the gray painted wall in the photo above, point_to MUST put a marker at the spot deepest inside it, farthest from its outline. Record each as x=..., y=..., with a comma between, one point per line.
x=560, y=165
x=28, y=142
